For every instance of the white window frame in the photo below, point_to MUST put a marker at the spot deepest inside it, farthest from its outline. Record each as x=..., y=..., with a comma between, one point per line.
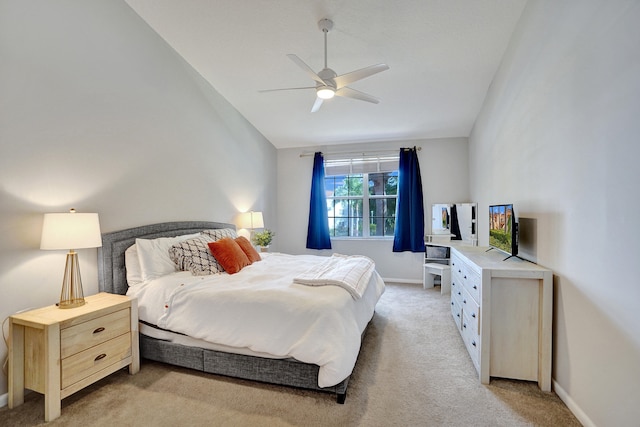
x=362, y=165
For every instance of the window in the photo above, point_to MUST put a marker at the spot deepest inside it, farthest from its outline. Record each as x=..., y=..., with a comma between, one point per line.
x=362, y=191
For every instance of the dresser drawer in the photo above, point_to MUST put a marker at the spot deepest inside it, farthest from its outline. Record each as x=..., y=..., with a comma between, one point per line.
x=82, y=336
x=94, y=359
x=466, y=277
x=471, y=311
x=471, y=340
x=456, y=312
x=472, y=284
x=456, y=268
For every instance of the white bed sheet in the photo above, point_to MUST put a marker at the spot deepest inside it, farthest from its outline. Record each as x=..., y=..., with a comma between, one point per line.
x=262, y=310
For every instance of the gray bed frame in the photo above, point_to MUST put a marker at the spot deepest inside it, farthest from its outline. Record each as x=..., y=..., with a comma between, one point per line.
x=112, y=278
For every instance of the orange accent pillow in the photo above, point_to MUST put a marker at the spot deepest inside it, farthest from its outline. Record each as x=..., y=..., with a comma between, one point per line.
x=229, y=255
x=248, y=249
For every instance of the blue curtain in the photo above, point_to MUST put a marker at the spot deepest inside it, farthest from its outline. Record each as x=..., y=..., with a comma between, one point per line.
x=318, y=230
x=409, y=231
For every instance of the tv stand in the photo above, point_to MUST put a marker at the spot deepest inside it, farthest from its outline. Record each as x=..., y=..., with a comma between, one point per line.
x=519, y=257
x=510, y=256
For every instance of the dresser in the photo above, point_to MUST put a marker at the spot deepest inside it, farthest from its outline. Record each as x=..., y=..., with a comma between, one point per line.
x=503, y=310
x=57, y=352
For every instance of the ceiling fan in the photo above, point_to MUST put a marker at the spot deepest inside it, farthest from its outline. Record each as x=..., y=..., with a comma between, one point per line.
x=328, y=83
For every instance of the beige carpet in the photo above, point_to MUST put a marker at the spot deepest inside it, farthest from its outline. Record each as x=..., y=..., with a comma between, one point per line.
x=413, y=370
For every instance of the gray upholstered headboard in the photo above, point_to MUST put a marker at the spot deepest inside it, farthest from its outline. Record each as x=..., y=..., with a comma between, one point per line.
x=112, y=275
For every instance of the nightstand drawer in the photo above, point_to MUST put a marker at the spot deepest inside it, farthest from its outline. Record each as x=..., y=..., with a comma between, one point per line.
x=82, y=336
x=94, y=359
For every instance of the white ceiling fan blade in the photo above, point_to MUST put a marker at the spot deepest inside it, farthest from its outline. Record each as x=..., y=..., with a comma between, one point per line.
x=306, y=68
x=316, y=105
x=287, y=88
x=347, y=92
x=348, y=78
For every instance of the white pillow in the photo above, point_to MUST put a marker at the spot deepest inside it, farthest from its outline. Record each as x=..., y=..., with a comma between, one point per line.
x=132, y=266
x=153, y=255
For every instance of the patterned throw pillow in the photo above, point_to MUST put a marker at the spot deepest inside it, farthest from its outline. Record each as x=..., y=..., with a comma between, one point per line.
x=220, y=233
x=194, y=255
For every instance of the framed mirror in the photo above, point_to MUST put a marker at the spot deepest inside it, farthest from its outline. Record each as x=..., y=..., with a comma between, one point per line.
x=440, y=217
x=455, y=221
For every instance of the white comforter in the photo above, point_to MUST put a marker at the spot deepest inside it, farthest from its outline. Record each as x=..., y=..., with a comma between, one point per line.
x=260, y=308
x=352, y=273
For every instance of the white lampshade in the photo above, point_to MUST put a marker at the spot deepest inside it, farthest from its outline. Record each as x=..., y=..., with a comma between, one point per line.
x=70, y=231
x=251, y=220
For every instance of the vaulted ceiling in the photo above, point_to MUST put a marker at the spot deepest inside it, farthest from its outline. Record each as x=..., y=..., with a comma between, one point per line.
x=442, y=56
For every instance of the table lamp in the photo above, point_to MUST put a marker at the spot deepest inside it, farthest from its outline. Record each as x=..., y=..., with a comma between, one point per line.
x=71, y=231
x=252, y=220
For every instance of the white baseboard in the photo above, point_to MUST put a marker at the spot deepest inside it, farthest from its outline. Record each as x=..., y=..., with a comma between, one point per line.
x=408, y=281
x=4, y=400
x=572, y=405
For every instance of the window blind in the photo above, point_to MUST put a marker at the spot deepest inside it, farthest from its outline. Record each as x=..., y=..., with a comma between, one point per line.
x=361, y=164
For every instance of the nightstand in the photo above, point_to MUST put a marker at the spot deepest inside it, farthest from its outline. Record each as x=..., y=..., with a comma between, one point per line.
x=57, y=352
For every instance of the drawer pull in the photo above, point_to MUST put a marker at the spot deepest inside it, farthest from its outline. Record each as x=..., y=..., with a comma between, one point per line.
x=475, y=287
x=459, y=293
x=98, y=330
x=464, y=325
x=100, y=357
x=458, y=315
x=464, y=301
x=451, y=302
x=473, y=315
x=465, y=276
x=473, y=343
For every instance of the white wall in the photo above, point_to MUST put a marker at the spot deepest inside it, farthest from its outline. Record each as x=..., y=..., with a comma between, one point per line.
x=97, y=113
x=444, y=170
x=558, y=137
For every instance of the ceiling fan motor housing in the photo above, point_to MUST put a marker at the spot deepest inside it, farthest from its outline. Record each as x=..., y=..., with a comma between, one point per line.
x=325, y=25
x=327, y=75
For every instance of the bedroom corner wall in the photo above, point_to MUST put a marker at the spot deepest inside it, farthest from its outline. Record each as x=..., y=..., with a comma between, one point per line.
x=445, y=178
x=99, y=114
x=558, y=137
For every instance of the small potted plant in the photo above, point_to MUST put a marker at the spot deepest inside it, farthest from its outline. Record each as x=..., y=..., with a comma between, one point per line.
x=263, y=239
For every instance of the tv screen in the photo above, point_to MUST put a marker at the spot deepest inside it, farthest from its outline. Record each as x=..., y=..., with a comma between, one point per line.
x=503, y=229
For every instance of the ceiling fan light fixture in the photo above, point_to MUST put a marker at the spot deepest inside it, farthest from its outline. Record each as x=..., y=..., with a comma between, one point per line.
x=325, y=93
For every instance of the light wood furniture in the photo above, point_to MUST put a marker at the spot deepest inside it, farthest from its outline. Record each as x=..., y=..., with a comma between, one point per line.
x=504, y=312
x=60, y=351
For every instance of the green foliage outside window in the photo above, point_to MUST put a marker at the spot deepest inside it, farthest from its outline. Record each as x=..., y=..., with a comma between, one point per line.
x=346, y=199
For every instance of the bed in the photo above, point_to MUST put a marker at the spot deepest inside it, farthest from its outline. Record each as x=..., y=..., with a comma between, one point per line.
x=167, y=343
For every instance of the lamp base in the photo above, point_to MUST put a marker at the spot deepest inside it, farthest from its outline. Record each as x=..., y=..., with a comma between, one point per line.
x=71, y=295
x=71, y=304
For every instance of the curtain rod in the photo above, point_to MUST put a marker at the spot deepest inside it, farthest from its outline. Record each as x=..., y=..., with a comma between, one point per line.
x=364, y=153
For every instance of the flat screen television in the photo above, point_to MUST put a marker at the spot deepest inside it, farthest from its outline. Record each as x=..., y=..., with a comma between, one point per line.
x=503, y=229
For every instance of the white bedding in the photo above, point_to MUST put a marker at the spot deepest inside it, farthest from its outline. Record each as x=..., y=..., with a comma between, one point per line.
x=260, y=308
x=352, y=273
